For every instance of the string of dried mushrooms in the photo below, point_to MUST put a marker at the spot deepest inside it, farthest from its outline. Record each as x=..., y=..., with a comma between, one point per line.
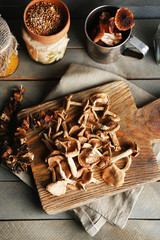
x=14, y=151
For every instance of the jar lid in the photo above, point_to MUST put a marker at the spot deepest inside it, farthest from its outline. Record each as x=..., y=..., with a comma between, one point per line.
x=5, y=34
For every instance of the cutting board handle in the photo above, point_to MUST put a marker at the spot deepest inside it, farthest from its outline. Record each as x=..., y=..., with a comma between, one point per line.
x=151, y=117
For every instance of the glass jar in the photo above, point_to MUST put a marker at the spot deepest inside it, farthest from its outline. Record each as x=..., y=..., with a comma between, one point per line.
x=46, y=39
x=8, y=50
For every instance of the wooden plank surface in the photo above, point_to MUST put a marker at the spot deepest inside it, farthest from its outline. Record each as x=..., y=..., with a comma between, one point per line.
x=125, y=66
x=70, y=230
x=22, y=204
x=77, y=36
x=120, y=98
x=141, y=9
x=19, y=202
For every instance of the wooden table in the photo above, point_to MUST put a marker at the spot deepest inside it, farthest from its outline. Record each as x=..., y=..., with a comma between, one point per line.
x=21, y=214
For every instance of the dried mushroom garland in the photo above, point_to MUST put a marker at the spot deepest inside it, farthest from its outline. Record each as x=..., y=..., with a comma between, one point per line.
x=80, y=145
x=13, y=144
x=15, y=152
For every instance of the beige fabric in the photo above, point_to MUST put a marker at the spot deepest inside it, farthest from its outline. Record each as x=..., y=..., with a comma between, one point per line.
x=45, y=52
x=8, y=45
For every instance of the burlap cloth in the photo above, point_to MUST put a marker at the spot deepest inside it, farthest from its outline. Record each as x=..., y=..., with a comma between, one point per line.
x=8, y=45
x=113, y=209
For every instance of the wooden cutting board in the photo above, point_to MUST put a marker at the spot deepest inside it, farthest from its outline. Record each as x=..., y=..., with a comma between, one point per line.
x=139, y=125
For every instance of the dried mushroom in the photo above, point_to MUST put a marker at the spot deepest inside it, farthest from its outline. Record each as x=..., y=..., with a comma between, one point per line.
x=112, y=26
x=53, y=160
x=87, y=177
x=124, y=19
x=58, y=188
x=115, y=176
x=88, y=158
x=69, y=147
x=109, y=30
x=87, y=141
x=99, y=99
x=13, y=144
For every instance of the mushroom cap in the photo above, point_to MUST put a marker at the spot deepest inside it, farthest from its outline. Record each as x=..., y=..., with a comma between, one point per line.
x=113, y=126
x=87, y=158
x=69, y=147
x=65, y=168
x=54, y=152
x=104, y=26
x=95, y=142
x=104, y=162
x=112, y=26
x=99, y=99
x=124, y=19
x=52, y=160
x=87, y=176
x=76, y=131
x=58, y=188
x=98, y=36
x=113, y=176
x=82, y=140
x=87, y=119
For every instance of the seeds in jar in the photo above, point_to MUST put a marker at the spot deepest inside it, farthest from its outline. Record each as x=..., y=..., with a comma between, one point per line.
x=44, y=18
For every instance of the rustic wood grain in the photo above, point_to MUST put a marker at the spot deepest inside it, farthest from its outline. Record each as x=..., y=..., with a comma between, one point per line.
x=144, y=167
x=127, y=67
x=19, y=202
x=70, y=230
x=141, y=9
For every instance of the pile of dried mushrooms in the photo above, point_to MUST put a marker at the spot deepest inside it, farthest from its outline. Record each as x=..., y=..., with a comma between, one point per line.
x=80, y=145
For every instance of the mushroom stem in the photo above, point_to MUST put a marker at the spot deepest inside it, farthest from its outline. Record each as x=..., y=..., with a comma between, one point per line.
x=105, y=111
x=95, y=150
x=75, y=103
x=128, y=164
x=95, y=114
x=64, y=126
x=53, y=174
x=59, y=122
x=57, y=134
x=72, y=166
x=86, y=104
x=115, y=141
x=122, y=155
x=68, y=99
x=62, y=173
x=48, y=139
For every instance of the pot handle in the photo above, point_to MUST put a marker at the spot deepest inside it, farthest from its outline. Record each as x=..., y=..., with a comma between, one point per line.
x=139, y=45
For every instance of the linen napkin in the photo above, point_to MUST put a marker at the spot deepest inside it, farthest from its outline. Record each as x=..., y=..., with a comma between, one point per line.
x=114, y=209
